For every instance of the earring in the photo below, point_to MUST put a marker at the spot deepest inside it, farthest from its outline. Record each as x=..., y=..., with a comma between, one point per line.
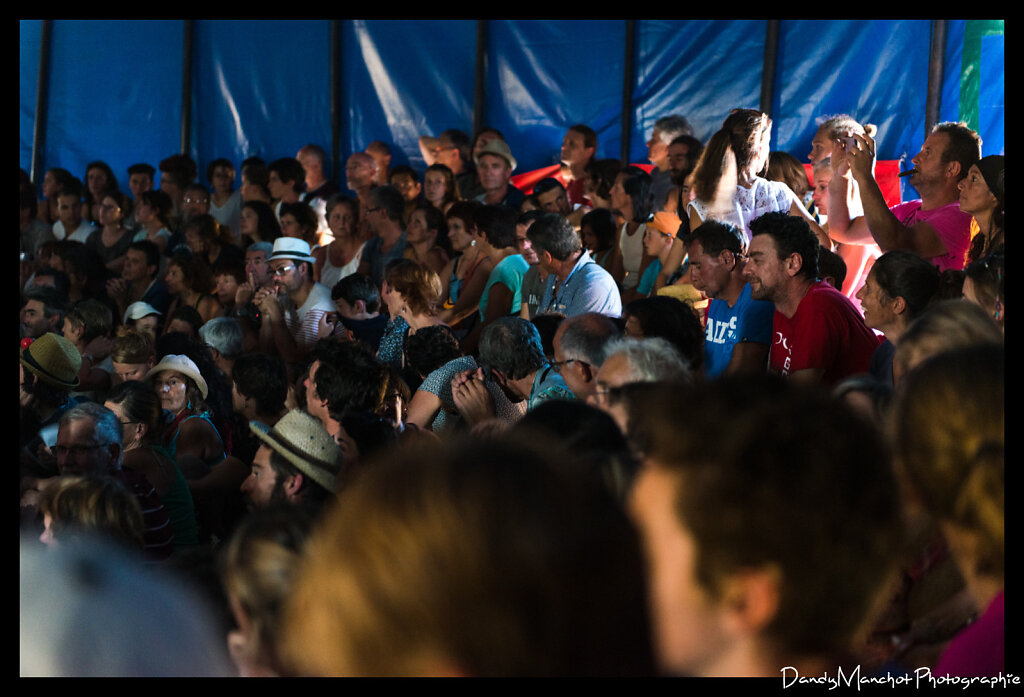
x=473, y=243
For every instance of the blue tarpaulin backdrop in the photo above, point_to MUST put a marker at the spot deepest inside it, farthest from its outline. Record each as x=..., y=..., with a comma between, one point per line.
x=115, y=88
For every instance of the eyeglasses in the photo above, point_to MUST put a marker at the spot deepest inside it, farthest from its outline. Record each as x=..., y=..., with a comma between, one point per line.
x=282, y=270
x=557, y=365
x=189, y=199
x=75, y=451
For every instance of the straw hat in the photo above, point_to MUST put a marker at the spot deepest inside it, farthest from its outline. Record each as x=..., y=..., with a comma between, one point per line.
x=303, y=441
x=53, y=359
x=180, y=364
x=497, y=147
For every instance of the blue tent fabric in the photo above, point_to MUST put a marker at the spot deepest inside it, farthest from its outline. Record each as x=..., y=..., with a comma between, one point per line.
x=259, y=87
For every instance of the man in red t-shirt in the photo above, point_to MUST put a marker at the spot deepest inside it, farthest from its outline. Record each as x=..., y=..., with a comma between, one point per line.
x=818, y=334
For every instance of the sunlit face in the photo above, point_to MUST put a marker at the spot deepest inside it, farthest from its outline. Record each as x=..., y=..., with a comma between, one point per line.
x=876, y=306
x=614, y=372
x=417, y=230
x=574, y=152
x=359, y=172
x=822, y=178
x=657, y=150
x=928, y=164
x=96, y=180
x=461, y=238
x=617, y=194
x=975, y=196
x=341, y=220
x=123, y=372
x=493, y=171
x=259, y=488
x=709, y=274
x=524, y=246
x=139, y=183
x=764, y=271
x=434, y=187
x=821, y=147
x=406, y=185
x=689, y=625
x=227, y=285
x=170, y=387
x=655, y=241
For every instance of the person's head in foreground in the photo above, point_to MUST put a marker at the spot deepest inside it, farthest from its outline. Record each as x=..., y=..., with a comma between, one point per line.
x=770, y=517
x=476, y=559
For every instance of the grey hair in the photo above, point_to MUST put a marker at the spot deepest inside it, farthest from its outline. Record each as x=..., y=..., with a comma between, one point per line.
x=651, y=360
x=839, y=124
x=107, y=428
x=672, y=126
x=825, y=163
x=512, y=345
x=587, y=337
x=223, y=334
x=554, y=234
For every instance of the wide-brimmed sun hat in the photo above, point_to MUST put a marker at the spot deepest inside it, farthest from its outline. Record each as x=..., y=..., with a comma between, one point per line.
x=497, y=147
x=180, y=364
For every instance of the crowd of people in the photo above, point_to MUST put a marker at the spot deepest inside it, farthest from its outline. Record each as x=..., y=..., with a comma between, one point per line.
x=722, y=413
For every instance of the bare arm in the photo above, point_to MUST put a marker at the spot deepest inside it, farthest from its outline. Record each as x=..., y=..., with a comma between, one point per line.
x=423, y=409
x=499, y=304
x=885, y=229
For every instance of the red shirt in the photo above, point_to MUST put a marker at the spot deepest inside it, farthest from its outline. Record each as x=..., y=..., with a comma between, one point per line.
x=826, y=332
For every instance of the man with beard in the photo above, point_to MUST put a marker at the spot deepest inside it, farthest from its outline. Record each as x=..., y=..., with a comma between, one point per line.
x=819, y=336
x=297, y=463
x=292, y=307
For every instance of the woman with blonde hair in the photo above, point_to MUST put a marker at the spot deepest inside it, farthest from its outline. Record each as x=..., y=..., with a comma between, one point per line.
x=949, y=443
x=492, y=558
x=257, y=568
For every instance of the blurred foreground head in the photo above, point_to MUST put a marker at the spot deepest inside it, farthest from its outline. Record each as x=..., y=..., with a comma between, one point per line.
x=480, y=559
x=770, y=516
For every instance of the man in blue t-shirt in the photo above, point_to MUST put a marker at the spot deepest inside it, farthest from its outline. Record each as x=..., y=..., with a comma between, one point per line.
x=738, y=332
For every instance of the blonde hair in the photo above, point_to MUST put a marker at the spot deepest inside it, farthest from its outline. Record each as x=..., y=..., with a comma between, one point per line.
x=132, y=346
x=480, y=557
x=419, y=286
x=258, y=568
x=948, y=436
